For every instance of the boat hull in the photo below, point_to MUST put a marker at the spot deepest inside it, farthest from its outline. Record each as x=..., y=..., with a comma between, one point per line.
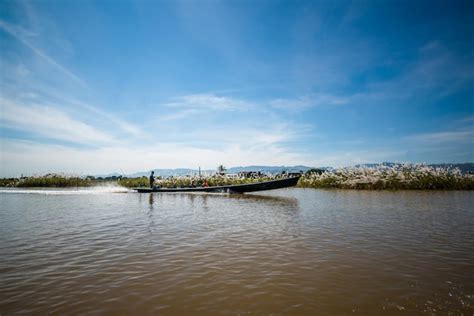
x=238, y=188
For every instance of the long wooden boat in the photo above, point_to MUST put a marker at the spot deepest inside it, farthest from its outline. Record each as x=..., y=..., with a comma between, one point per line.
x=237, y=188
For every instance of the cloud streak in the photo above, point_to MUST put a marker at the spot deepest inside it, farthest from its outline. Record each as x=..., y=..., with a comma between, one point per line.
x=204, y=103
x=207, y=102
x=50, y=123
x=121, y=124
x=19, y=34
x=17, y=156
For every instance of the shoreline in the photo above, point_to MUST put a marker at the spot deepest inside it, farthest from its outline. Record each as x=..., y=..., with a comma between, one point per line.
x=358, y=188
x=398, y=177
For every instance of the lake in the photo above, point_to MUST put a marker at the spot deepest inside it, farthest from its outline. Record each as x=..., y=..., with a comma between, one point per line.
x=284, y=252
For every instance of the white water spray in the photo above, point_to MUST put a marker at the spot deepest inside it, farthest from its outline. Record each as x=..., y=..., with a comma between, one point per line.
x=101, y=189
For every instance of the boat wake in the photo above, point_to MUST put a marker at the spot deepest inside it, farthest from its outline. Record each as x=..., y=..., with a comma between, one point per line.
x=105, y=189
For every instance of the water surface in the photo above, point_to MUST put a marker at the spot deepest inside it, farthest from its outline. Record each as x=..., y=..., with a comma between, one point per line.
x=285, y=252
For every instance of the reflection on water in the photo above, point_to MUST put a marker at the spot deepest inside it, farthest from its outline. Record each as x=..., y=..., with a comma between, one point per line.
x=285, y=252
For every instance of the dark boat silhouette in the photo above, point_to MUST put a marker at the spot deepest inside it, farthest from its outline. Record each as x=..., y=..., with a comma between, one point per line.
x=237, y=188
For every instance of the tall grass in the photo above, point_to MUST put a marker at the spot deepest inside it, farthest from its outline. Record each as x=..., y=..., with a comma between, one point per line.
x=8, y=182
x=181, y=182
x=134, y=182
x=400, y=176
x=56, y=181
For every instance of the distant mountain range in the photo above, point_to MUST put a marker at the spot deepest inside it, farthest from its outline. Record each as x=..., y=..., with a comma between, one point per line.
x=184, y=171
x=464, y=167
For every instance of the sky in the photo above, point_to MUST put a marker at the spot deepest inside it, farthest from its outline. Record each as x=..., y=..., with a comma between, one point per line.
x=95, y=87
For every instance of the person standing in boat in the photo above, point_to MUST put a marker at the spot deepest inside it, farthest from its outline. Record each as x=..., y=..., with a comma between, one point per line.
x=152, y=179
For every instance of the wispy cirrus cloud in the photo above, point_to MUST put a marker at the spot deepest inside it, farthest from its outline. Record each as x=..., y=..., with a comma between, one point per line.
x=50, y=123
x=22, y=35
x=257, y=136
x=207, y=101
x=35, y=92
x=195, y=104
x=41, y=81
x=204, y=103
x=180, y=114
x=123, y=125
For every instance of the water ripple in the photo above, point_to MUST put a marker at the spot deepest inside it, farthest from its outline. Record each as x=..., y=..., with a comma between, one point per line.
x=288, y=252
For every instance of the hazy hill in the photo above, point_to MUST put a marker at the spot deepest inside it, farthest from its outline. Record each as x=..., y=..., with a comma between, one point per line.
x=186, y=171
x=269, y=169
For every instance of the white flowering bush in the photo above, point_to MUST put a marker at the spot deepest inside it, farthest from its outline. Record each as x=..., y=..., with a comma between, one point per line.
x=399, y=176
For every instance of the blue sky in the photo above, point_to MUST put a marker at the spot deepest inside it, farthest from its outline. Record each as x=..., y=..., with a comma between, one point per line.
x=118, y=86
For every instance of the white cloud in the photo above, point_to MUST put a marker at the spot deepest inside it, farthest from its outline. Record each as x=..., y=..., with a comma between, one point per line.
x=123, y=125
x=48, y=122
x=35, y=158
x=237, y=133
x=19, y=34
x=20, y=80
x=179, y=115
x=195, y=104
x=236, y=143
x=209, y=147
x=29, y=91
x=207, y=101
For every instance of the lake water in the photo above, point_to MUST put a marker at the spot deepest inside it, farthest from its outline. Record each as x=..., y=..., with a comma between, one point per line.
x=284, y=252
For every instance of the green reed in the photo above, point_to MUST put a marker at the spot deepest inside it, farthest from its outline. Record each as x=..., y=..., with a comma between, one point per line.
x=55, y=181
